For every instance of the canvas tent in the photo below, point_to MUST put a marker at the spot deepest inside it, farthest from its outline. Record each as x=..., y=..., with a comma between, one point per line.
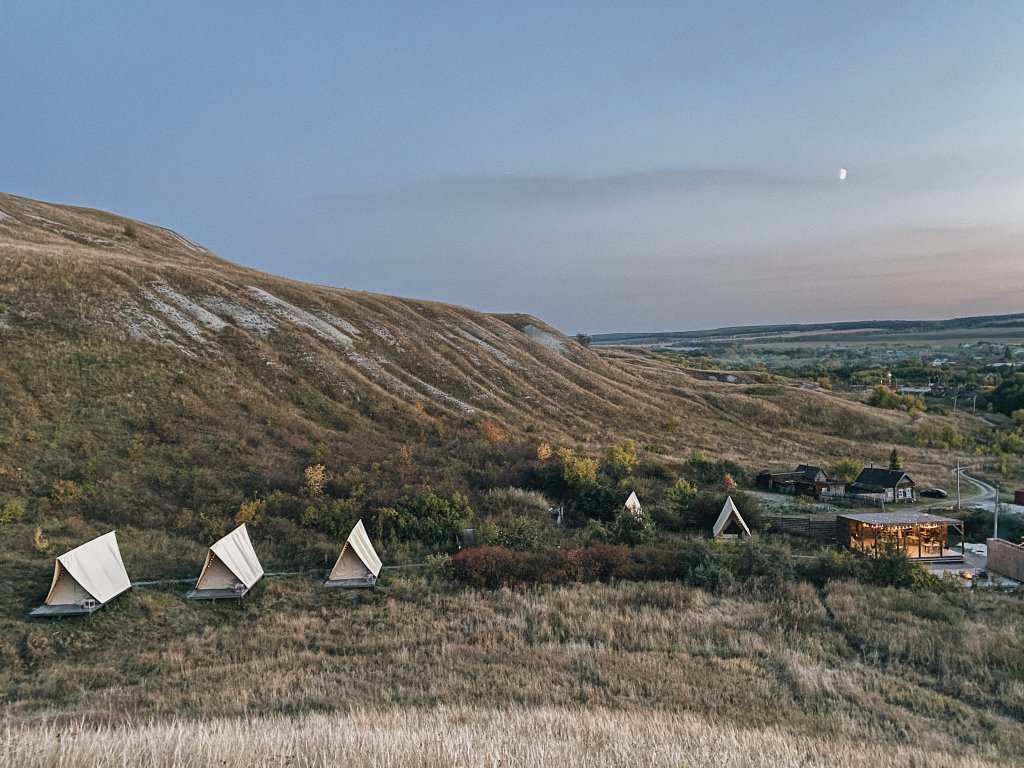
x=730, y=523
x=633, y=504
x=86, y=578
x=358, y=564
x=231, y=568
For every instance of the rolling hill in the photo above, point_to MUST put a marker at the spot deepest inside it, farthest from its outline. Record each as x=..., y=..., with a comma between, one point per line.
x=158, y=376
x=148, y=385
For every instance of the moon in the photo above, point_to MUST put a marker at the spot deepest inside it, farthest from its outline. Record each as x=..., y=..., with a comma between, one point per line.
x=842, y=174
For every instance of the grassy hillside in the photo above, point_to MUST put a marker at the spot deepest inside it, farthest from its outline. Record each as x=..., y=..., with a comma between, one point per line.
x=164, y=382
x=147, y=385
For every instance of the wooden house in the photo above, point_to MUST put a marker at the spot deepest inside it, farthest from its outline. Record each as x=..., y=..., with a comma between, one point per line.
x=805, y=480
x=877, y=484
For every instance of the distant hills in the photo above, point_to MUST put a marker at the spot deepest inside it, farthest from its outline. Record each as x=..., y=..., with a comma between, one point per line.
x=883, y=329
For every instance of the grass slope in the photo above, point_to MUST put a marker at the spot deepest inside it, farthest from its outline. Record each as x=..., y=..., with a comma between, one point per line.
x=765, y=678
x=160, y=377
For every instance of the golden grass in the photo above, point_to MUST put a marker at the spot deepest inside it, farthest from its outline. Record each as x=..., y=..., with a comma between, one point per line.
x=909, y=674
x=449, y=737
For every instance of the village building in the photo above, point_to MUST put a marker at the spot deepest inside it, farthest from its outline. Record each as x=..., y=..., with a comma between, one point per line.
x=230, y=570
x=805, y=480
x=85, y=579
x=358, y=564
x=920, y=535
x=881, y=485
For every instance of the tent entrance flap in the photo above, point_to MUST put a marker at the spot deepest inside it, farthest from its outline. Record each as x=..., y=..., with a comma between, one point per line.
x=349, y=566
x=66, y=590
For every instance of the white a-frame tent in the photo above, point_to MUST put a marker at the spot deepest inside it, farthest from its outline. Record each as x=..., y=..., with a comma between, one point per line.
x=231, y=568
x=730, y=523
x=633, y=504
x=358, y=564
x=86, y=578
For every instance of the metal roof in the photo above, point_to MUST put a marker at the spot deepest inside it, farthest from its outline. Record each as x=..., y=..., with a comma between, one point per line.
x=898, y=518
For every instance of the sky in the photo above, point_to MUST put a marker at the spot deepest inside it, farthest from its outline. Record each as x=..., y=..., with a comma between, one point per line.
x=631, y=166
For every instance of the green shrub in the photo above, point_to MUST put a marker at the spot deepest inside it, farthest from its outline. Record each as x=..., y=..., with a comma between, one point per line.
x=13, y=511
x=428, y=518
x=883, y=397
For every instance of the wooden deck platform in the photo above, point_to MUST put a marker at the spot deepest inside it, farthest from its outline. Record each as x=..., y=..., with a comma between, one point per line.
x=216, y=594
x=65, y=610
x=351, y=583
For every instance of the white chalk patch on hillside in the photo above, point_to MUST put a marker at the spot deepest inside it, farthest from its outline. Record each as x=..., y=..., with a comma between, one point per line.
x=479, y=339
x=378, y=375
x=387, y=336
x=204, y=316
x=194, y=247
x=397, y=386
x=146, y=327
x=243, y=317
x=57, y=228
x=301, y=317
x=177, y=318
x=546, y=338
x=6, y=218
x=444, y=397
x=341, y=324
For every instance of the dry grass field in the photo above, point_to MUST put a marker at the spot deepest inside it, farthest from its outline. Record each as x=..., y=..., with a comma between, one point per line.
x=456, y=737
x=417, y=673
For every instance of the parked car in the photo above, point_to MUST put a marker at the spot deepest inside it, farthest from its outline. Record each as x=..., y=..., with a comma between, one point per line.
x=933, y=493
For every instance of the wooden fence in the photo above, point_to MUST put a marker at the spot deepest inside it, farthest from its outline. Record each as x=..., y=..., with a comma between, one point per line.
x=1006, y=559
x=816, y=526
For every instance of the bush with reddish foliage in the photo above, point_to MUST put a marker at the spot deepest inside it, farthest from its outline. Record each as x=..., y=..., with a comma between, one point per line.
x=493, y=567
x=489, y=567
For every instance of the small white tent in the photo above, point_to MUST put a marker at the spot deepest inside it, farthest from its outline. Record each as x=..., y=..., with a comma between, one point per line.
x=231, y=568
x=730, y=523
x=633, y=504
x=86, y=578
x=358, y=564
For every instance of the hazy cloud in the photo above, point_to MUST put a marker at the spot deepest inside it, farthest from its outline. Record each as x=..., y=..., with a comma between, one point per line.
x=519, y=190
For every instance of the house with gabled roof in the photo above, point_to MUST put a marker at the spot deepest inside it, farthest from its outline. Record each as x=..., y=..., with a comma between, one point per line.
x=805, y=480
x=876, y=483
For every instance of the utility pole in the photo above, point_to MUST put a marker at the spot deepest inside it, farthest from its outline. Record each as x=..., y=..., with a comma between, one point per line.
x=995, y=526
x=958, y=483
x=974, y=405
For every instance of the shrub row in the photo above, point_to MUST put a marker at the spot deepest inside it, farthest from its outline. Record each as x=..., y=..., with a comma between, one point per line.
x=697, y=563
x=493, y=567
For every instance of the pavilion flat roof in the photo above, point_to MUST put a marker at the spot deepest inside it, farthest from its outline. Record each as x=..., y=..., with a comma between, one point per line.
x=899, y=518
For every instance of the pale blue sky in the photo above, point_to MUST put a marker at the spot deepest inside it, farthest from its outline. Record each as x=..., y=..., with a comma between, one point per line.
x=604, y=166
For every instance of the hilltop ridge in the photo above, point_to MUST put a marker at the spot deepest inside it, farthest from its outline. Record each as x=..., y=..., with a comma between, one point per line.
x=156, y=373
